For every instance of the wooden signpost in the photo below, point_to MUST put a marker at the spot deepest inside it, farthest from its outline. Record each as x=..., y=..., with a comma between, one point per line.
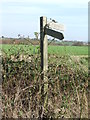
x=44, y=64
x=46, y=29
x=56, y=26
x=54, y=33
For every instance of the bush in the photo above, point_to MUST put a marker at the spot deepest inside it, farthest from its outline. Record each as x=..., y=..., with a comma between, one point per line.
x=22, y=81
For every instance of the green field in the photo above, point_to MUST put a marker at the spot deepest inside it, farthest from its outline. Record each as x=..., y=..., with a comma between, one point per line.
x=68, y=50
x=58, y=50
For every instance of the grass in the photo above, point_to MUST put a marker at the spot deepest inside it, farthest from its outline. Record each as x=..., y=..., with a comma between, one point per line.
x=58, y=50
x=72, y=50
x=14, y=49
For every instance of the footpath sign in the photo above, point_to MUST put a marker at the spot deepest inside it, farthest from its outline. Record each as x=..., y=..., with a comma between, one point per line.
x=55, y=25
x=54, y=33
x=50, y=29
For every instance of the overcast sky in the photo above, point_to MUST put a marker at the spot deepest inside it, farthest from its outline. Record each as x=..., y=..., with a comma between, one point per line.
x=23, y=17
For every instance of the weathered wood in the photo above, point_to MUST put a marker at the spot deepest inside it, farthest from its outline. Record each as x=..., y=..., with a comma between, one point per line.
x=44, y=31
x=44, y=64
x=43, y=44
x=54, y=33
x=0, y=85
x=56, y=26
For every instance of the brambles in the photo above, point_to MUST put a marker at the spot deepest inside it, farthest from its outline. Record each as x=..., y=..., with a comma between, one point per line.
x=67, y=82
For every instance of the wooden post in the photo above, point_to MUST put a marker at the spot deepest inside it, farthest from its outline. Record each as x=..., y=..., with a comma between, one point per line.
x=44, y=62
x=43, y=44
x=0, y=84
x=44, y=31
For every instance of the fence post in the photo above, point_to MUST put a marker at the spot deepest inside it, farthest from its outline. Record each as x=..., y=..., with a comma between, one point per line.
x=44, y=63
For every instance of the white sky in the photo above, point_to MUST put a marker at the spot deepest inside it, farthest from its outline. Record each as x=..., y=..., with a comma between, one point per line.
x=22, y=17
x=48, y=1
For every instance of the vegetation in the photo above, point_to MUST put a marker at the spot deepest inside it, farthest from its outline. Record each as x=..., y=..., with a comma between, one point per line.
x=36, y=35
x=58, y=50
x=36, y=41
x=67, y=82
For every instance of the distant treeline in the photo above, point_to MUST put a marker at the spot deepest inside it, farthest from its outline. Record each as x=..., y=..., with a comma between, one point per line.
x=19, y=41
x=37, y=42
